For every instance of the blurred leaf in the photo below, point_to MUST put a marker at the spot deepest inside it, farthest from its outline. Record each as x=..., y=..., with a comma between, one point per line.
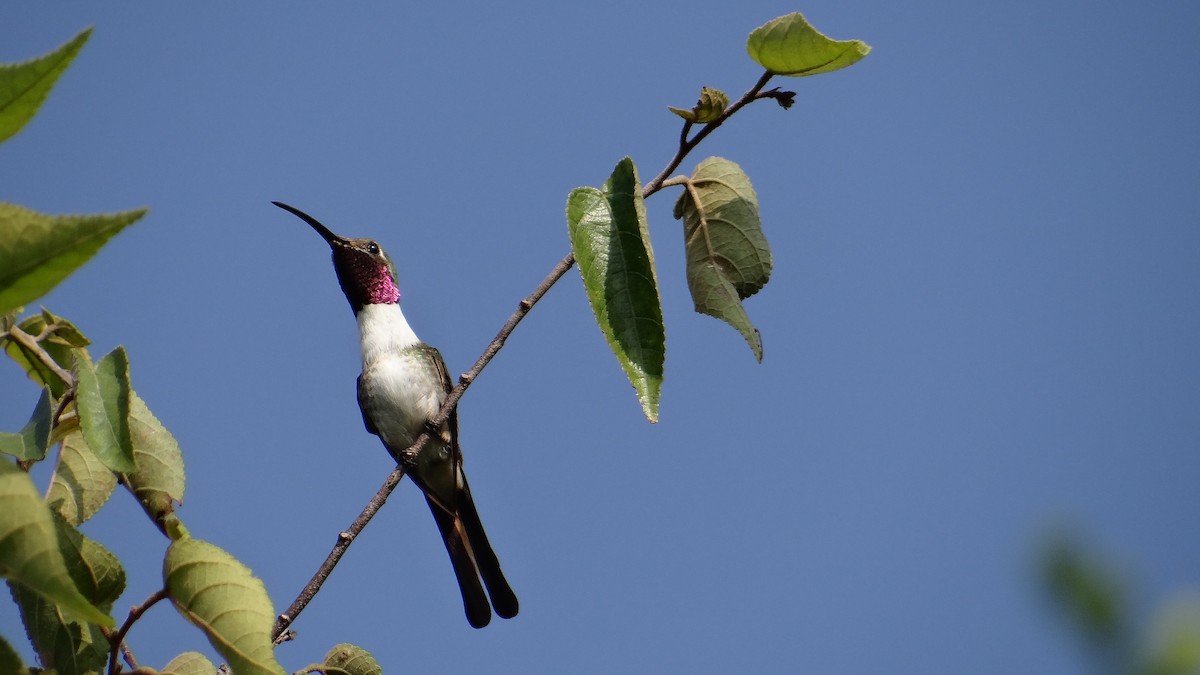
x=102, y=400
x=58, y=347
x=63, y=645
x=790, y=45
x=10, y=661
x=611, y=241
x=353, y=660
x=711, y=105
x=29, y=550
x=728, y=258
x=189, y=663
x=31, y=442
x=158, y=482
x=96, y=572
x=37, y=251
x=221, y=597
x=1175, y=648
x=81, y=484
x=1087, y=592
x=24, y=86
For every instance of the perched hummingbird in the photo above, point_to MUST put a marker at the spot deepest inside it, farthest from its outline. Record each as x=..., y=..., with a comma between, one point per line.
x=402, y=386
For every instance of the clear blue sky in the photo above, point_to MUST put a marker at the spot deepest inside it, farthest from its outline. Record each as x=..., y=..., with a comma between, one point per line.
x=983, y=320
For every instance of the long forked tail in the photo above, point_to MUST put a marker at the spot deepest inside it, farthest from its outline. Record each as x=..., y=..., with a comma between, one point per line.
x=472, y=557
x=503, y=598
x=475, y=602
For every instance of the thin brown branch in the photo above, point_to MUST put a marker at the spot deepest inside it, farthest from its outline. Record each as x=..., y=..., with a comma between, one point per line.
x=408, y=457
x=116, y=640
x=344, y=540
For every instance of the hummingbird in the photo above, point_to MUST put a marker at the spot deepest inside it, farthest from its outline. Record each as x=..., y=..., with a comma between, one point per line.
x=401, y=389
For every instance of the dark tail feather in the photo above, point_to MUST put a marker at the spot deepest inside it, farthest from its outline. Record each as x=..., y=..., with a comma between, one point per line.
x=475, y=602
x=503, y=598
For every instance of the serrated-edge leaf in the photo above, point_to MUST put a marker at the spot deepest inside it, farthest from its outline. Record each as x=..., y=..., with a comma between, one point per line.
x=37, y=251
x=189, y=663
x=96, y=572
x=10, y=660
x=159, y=481
x=728, y=258
x=29, y=549
x=352, y=659
x=31, y=442
x=81, y=484
x=24, y=86
x=63, y=645
x=220, y=596
x=611, y=241
x=102, y=401
x=789, y=45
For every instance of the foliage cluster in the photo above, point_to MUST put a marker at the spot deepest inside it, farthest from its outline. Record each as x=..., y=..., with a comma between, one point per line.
x=90, y=422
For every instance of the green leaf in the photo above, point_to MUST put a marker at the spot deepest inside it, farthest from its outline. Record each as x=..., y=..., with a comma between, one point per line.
x=29, y=550
x=611, y=241
x=189, y=663
x=790, y=46
x=158, y=482
x=96, y=572
x=709, y=107
x=352, y=660
x=10, y=661
x=81, y=484
x=37, y=250
x=1089, y=593
x=221, y=597
x=60, y=343
x=31, y=442
x=63, y=645
x=24, y=86
x=102, y=399
x=728, y=258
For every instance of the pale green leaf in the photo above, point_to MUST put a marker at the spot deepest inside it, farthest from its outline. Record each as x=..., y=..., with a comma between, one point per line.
x=31, y=442
x=29, y=549
x=611, y=241
x=709, y=107
x=37, y=251
x=189, y=663
x=158, y=482
x=352, y=660
x=221, y=597
x=81, y=484
x=24, y=86
x=102, y=400
x=790, y=45
x=728, y=258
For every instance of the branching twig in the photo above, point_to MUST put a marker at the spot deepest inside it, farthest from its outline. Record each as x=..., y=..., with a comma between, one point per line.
x=686, y=145
x=30, y=343
x=409, y=455
x=116, y=640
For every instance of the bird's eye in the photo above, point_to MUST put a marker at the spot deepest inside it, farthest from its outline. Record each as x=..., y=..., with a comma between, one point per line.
x=373, y=248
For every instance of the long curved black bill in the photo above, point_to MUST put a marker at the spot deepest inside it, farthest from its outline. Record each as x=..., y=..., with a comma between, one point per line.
x=316, y=224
